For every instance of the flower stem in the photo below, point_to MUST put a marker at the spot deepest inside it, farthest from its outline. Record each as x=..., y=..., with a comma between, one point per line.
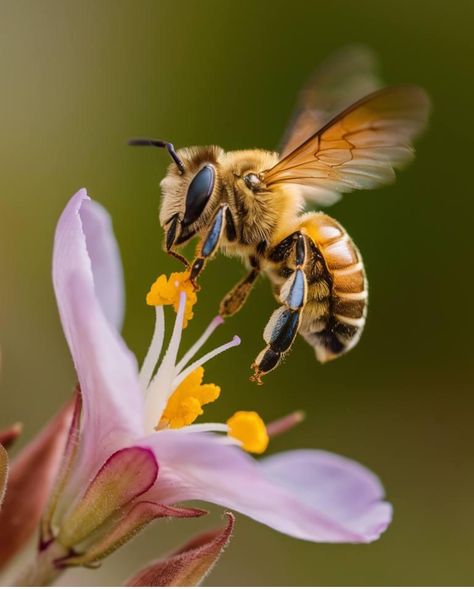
x=43, y=571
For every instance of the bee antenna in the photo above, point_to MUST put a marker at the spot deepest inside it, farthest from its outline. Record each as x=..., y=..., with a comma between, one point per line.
x=159, y=143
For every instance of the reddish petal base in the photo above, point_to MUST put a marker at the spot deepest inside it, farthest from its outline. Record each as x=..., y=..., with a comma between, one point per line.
x=190, y=564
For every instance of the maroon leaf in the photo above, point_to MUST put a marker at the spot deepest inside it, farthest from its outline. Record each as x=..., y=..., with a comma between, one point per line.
x=190, y=564
x=64, y=470
x=10, y=434
x=3, y=472
x=30, y=479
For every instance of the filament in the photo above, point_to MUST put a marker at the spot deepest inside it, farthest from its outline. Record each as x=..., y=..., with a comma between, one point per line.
x=284, y=424
x=161, y=387
x=235, y=341
x=206, y=427
x=154, y=351
x=199, y=343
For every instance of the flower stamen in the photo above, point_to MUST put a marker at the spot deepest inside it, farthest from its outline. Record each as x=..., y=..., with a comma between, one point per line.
x=235, y=341
x=159, y=388
x=167, y=291
x=284, y=424
x=185, y=404
x=249, y=428
x=154, y=351
x=175, y=395
x=207, y=427
x=194, y=349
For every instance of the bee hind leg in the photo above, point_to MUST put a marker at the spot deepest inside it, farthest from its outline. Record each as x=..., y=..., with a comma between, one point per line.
x=279, y=334
x=283, y=325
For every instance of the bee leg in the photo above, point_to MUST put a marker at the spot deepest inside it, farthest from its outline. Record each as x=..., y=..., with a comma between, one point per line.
x=284, y=323
x=279, y=334
x=235, y=298
x=170, y=239
x=209, y=244
x=179, y=257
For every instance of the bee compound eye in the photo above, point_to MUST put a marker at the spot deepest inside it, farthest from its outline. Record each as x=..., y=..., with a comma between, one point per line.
x=199, y=192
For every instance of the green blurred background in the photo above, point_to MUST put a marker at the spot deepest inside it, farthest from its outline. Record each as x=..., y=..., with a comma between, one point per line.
x=79, y=78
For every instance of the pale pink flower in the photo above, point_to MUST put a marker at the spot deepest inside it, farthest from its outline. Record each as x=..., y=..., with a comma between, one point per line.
x=120, y=471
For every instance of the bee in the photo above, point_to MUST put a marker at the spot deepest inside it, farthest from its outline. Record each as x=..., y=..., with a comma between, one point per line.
x=347, y=133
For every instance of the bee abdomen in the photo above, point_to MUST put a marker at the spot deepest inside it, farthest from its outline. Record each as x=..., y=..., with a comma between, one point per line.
x=339, y=328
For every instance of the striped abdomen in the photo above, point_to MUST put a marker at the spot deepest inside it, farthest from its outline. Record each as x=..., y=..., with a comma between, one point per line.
x=334, y=316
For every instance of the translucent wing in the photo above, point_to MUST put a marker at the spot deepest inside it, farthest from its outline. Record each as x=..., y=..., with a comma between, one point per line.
x=358, y=149
x=345, y=77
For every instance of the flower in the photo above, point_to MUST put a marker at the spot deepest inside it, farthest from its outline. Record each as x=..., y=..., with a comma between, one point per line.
x=133, y=452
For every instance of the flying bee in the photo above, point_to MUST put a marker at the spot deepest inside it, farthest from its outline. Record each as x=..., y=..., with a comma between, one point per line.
x=348, y=133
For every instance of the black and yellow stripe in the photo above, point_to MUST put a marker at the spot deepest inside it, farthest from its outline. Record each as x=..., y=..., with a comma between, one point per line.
x=334, y=316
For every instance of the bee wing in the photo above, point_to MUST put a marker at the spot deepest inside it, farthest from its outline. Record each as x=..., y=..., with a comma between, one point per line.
x=357, y=149
x=345, y=77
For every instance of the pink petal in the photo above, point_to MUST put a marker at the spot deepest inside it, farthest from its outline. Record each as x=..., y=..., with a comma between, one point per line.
x=126, y=475
x=106, y=369
x=29, y=482
x=105, y=260
x=308, y=494
x=346, y=491
x=190, y=564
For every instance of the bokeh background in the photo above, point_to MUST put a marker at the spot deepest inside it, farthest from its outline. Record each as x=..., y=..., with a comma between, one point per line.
x=79, y=78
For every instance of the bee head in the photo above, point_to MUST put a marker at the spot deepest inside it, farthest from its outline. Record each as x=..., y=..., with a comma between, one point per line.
x=190, y=195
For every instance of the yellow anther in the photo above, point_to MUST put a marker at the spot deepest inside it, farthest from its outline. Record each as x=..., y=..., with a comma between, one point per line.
x=166, y=291
x=185, y=404
x=248, y=427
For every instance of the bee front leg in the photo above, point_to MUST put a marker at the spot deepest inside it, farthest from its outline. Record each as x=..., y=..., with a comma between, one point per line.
x=209, y=244
x=177, y=256
x=170, y=238
x=284, y=323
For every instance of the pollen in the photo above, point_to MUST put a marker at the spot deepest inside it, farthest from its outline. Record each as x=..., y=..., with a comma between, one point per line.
x=248, y=427
x=185, y=404
x=166, y=291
